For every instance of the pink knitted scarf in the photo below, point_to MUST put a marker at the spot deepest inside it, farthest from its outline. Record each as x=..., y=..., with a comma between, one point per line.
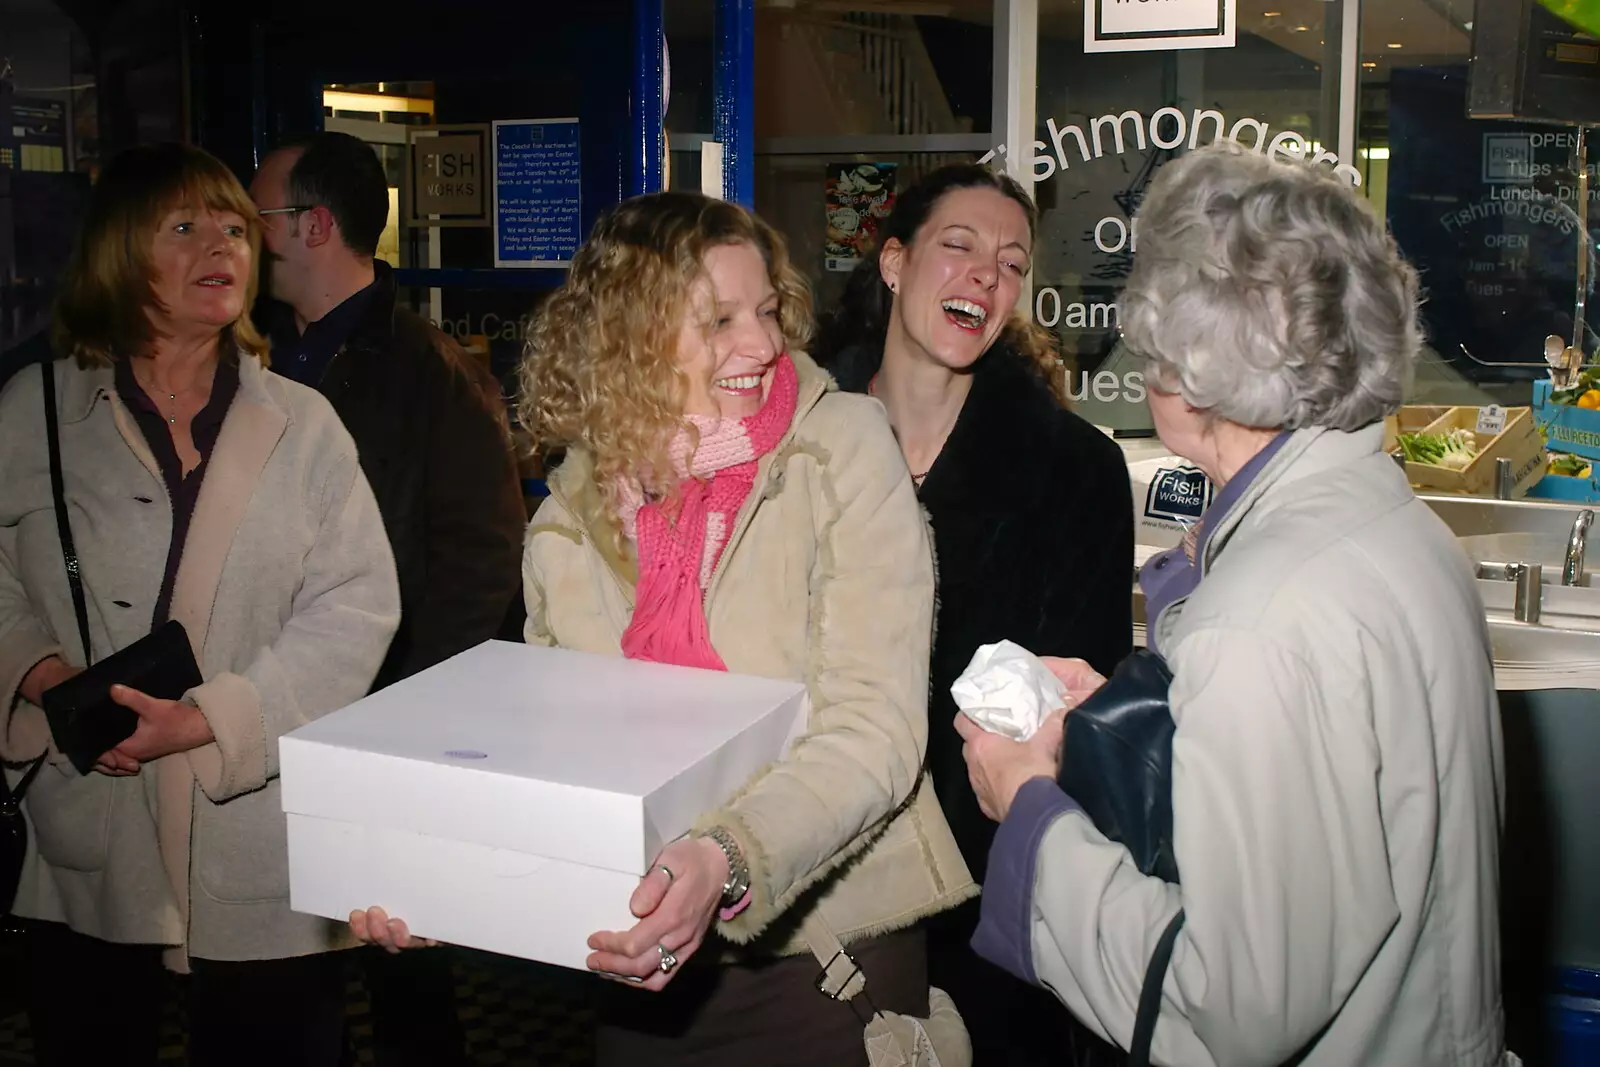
x=678, y=555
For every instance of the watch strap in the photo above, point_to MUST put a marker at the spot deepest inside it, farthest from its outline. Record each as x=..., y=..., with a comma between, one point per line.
x=738, y=883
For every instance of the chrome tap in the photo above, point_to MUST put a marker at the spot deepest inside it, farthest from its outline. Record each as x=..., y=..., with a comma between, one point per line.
x=1572, y=570
x=1528, y=600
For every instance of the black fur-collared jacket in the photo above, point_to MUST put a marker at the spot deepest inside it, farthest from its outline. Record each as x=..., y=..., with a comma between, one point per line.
x=1033, y=524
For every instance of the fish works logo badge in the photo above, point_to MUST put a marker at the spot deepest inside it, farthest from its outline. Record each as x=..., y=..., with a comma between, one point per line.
x=1178, y=494
x=1507, y=158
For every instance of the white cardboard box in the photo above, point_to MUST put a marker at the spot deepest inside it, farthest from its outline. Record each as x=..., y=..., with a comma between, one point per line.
x=510, y=798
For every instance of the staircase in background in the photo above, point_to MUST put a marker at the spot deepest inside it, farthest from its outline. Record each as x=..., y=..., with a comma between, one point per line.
x=878, y=72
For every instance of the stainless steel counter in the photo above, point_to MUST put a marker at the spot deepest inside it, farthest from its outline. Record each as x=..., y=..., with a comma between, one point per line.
x=1534, y=577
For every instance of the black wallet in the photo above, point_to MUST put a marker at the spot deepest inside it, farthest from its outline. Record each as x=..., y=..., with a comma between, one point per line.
x=86, y=723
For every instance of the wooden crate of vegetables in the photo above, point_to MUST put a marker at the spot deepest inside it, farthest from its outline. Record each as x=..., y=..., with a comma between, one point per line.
x=1570, y=418
x=1451, y=456
x=1410, y=419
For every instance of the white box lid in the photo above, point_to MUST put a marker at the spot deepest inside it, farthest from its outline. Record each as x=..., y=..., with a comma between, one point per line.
x=568, y=755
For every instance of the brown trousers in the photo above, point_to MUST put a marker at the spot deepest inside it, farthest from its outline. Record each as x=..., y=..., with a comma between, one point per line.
x=764, y=1015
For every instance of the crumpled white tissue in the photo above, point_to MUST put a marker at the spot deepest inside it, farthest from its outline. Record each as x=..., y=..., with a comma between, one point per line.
x=1008, y=690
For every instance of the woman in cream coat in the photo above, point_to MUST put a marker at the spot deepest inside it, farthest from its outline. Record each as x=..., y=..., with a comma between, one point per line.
x=805, y=556
x=204, y=489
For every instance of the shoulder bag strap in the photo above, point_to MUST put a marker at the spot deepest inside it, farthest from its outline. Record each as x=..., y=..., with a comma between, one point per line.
x=840, y=978
x=1144, y=1024
x=69, y=554
x=11, y=797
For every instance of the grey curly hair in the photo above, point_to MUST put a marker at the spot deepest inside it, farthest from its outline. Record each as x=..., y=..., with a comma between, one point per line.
x=1269, y=294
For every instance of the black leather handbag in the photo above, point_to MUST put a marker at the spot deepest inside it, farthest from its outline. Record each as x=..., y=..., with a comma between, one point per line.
x=86, y=723
x=1116, y=763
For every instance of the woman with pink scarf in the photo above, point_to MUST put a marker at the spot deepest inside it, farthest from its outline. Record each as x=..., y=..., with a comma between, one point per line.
x=721, y=505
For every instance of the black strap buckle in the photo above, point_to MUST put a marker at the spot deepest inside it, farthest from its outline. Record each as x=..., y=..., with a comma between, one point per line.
x=860, y=1005
x=823, y=975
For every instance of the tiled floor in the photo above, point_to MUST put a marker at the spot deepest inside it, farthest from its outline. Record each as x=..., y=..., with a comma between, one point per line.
x=514, y=1015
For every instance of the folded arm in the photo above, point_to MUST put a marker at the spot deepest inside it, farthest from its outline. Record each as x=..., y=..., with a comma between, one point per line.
x=345, y=613
x=872, y=620
x=30, y=662
x=1280, y=842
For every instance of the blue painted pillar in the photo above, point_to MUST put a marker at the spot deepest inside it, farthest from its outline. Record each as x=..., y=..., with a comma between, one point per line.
x=648, y=141
x=225, y=70
x=734, y=98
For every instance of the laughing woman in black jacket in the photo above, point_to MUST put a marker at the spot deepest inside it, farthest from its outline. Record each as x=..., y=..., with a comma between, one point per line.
x=1031, y=509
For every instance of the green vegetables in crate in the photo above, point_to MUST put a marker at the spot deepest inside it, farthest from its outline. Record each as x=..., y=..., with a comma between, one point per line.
x=1588, y=381
x=1570, y=466
x=1455, y=450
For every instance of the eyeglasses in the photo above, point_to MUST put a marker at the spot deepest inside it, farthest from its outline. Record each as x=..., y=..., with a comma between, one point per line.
x=264, y=212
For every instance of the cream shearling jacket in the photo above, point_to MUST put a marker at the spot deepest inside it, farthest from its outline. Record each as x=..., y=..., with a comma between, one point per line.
x=828, y=579
x=287, y=590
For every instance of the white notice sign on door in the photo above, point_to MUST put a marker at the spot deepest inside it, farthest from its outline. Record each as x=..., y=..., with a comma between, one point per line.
x=1154, y=25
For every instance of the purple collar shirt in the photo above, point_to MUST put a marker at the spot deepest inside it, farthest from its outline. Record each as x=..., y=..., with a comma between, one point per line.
x=1174, y=574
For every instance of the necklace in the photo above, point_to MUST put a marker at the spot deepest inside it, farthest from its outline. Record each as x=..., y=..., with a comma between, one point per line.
x=172, y=398
x=916, y=479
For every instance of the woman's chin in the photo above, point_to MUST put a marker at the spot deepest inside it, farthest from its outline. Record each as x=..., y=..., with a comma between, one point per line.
x=959, y=354
x=216, y=318
x=738, y=407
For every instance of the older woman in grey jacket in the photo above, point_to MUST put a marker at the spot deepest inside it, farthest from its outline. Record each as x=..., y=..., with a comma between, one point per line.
x=200, y=488
x=1336, y=780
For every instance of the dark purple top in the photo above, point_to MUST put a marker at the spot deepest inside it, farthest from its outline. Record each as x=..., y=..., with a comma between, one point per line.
x=182, y=490
x=1170, y=576
x=1005, y=928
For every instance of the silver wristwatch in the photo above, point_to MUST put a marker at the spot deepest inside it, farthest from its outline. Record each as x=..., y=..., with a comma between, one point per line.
x=738, y=883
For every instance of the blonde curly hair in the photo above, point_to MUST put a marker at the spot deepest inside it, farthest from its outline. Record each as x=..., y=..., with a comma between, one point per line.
x=600, y=370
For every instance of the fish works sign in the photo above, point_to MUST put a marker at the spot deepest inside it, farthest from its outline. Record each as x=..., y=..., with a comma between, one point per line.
x=1154, y=25
x=446, y=179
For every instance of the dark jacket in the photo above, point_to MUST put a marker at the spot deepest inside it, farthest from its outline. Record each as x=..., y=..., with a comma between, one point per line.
x=430, y=427
x=1033, y=524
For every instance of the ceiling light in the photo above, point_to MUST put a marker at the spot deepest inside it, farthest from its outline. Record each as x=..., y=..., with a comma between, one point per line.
x=1380, y=152
x=1301, y=29
x=1396, y=44
x=1370, y=66
x=340, y=100
x=1271, y=14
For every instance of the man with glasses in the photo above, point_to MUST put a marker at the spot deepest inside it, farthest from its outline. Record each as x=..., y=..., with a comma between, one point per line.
x=430, y=426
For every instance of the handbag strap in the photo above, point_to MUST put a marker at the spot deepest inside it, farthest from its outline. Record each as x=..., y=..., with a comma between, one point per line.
x=1155, y=975
x=69, y=554
x=841, y=978
x=11, y=797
